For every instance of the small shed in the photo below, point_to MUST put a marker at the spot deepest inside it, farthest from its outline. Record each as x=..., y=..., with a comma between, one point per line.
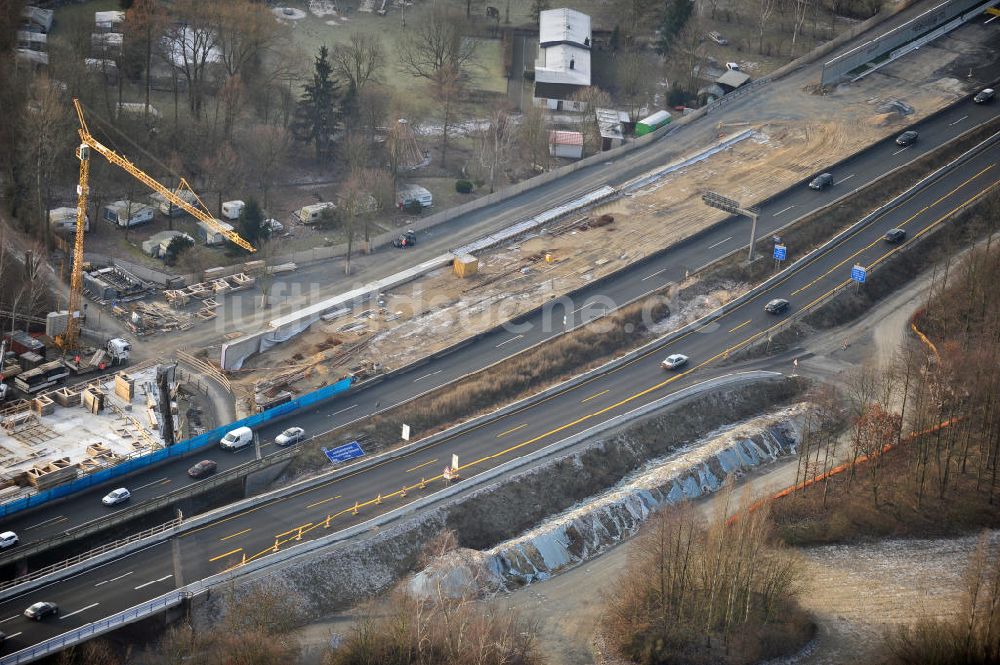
x=612, y=125
x=732, y=80
x=64, y=219
x=108, y=41
x=652, y=123
x=565, y=144
x=32, y=41
x=127, y=213
x=36, y=19
x=110, y=21
x=407, y=193
x=158, y=243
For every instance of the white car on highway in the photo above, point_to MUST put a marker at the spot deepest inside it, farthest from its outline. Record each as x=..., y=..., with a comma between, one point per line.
x=674, y=361
x=114, y=497
x=290, y=436
x=7, y=539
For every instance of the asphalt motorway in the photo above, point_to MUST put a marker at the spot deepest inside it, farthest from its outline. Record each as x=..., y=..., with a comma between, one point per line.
x=668, y=267
x=328, y=507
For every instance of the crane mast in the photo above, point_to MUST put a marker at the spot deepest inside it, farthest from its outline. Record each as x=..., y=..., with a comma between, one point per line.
x=69, y=338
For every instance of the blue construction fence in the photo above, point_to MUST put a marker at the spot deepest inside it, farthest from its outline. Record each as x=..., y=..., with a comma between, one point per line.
x=179, y=449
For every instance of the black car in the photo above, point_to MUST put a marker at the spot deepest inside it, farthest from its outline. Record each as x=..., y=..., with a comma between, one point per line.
x=906, y=138
x=821, y=181
x=407, y=239
x=776, y=306
x=984, y=95
x=206, y=467
x=892, y=236
x=40, y=610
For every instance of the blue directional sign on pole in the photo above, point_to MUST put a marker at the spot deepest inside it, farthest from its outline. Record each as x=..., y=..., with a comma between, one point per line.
x=859, y=274
x=344, y=452
x=780, y=252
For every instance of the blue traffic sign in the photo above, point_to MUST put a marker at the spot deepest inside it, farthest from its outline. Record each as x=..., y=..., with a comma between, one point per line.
x=780, y=252
x=344, y=452
x=859, y=274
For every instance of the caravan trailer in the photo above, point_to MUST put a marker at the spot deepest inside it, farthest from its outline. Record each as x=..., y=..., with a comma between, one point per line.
x=313, y=213
x=210, y=236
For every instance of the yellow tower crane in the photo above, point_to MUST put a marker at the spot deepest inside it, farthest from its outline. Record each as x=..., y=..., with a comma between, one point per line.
x=69, y=338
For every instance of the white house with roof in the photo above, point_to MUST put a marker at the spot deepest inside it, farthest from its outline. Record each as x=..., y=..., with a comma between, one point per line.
x=562, y=67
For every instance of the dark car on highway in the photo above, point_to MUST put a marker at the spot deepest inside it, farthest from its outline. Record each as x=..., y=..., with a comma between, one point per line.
x=40, y=610
x=406, y=239
x=907, y=138
x=892, y=236
x=776, y=306
x=206, y=467
x=821, y=181
x=984, y=95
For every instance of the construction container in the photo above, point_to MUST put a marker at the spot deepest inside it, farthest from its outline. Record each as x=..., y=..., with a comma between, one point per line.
x=210, y=236
x=652, y=123
x=232, y=210
x=21, y=342
x=465, y=265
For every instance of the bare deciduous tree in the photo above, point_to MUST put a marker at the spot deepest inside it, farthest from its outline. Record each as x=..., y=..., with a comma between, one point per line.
x=447, y=88
x=359, y=61
x=437, y=42
x=495, y=141
x=193, y=42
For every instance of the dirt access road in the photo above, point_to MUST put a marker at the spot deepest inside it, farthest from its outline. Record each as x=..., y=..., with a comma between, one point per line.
x=846, y=586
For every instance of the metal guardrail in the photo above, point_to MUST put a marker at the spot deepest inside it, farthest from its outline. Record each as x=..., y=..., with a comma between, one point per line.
x=91, y=630
x=97, y=551
x=147, y=507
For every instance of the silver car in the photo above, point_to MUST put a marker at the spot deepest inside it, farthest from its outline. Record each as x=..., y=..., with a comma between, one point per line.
x=290, y=436
x=674, y=361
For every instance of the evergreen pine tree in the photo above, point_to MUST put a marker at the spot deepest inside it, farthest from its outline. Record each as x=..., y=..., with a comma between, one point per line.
x=675, y=17
x=318, y=110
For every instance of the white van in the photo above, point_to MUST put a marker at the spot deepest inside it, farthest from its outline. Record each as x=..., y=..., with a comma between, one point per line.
x=237, y=438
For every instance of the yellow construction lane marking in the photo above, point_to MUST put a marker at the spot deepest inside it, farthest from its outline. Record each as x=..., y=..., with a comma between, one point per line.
x=420, y=466
x=238, y=533
x=512, y=429
x=294, y=529
x=725, y=353
x=878, y=240
x=320, y=503
x=229, y=553
x=732, y=330
x=587, y=399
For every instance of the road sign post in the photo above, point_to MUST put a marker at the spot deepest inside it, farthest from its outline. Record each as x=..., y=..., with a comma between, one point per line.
x=343, y=453
x=733, y=206
x=859, y=274
x=780, y=254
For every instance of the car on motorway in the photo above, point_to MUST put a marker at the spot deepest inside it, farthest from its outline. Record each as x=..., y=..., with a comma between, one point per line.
x=290, y=436
x=41, y=609
x=674, y=360
x=8, y=539
x=206, y=467
x=776, y=306
x=822, y=181
x=892, y=236
x=907, y=138
x=984, y=95
x=114, y=497
x=237, y=438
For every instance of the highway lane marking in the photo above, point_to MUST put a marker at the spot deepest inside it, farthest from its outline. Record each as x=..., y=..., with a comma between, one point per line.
x=320, y=503
x=516, y=337
x=82, y=609
x=732, y=330
x=900, y=150
x=794, y=205
x=115, y=579
x=167, y=577
x=901, y=225
x=215, y=558
x=846, y=178
x=720, y=242
x=590, y=304
x=950, y=124
x=587, y=399
x=675, y=377
x=238, y=533
x=15, y=634
x=342, y=410
x=427, y=375
x=161, y=481
x=58, y=518
x=512, y=429
x=420, y=466
x=588, y=416
x=653, y=275
x=9, y=618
